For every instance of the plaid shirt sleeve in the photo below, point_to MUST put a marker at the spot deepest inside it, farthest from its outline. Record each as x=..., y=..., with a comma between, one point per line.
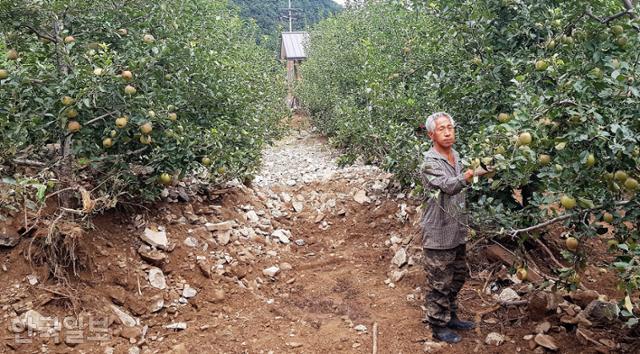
x=435, y=177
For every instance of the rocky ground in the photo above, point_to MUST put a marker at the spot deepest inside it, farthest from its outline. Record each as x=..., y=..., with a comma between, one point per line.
x=310, y=258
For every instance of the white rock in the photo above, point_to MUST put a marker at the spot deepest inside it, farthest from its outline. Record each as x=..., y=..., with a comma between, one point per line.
x=252, y=216
x=156, y=305
x=298, y=206
x=281, y=235
x=543, y=327
x=177, y=326
x=291, y=182
x=395, y=240
x=433, y=347
x=191, y=241
x=271, y=271
x=361, y=197
x=189, y=292
x=397, y=275
x=221, y=226
x=285, y=197
x=360, y=328
x=126, y=319
x=32, y=279
x=507, y=295
x=156, y=278
x=546, y=341
x=154, y=238
x=134, y=350
x=494, y=338
x=224, y=237
x=284, y=266
x=400, y=258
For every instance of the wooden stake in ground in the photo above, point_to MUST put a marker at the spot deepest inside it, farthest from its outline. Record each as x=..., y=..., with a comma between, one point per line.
x=375, y=338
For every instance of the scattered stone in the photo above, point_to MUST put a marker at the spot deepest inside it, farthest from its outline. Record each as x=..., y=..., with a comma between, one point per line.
x=298, y=206
x=155, y=238
x=540, y=303
x=224, y=237
x=494, y=338
x=221, y=226
x=546, y=341
x=508, y=295
x=204, y=267
x=602, y=313
x=134, y=350
x=126, y=319
x=131, y=332
x=156, y=305
x=177, y=326
x=300, y=242
x=271, y=271
x=7, y=238
x=397, y=275
x=252, y=216
x=191, y=241
x=319, y=218
x=528, y=337
x=400, y=258
x=32, y=279
x=157, y=279
x=291, y=182
x=281, y=235
x=543, y=327
x=151, y=256
x=360, y=328
x=189, y=292
x=361, y=197
x=285, y=197
x=433, y=347
x=584, y=297
x=284, y=266
x=294, y=344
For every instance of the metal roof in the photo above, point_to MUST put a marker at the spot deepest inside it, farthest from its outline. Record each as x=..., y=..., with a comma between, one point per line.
x=293, y=45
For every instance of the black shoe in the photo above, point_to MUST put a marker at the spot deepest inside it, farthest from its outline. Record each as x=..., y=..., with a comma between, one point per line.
x=457, y=323
x=445, y=334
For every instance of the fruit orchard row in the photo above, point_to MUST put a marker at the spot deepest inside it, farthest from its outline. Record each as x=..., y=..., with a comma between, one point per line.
x=123, y=96
x=545, y=91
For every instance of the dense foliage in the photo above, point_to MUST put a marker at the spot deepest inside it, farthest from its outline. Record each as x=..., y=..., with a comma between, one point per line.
x=124, y=96
x=268, y=15
x=563, y=73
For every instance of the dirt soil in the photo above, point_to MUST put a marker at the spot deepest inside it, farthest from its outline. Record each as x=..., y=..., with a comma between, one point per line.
x=336, y=289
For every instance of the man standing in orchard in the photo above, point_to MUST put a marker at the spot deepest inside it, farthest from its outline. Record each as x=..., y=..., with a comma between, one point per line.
x=444, y=228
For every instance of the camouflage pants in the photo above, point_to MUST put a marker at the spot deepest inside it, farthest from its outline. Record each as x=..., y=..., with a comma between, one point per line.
x=446, y=273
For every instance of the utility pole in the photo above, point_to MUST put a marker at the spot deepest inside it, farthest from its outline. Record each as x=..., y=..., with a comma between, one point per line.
x=291, y=15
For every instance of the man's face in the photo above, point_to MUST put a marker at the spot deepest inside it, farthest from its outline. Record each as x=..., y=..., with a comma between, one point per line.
x=444, y=134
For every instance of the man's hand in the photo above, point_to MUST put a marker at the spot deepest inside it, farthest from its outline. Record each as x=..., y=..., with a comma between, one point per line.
x=481, y=171
x=478, y=171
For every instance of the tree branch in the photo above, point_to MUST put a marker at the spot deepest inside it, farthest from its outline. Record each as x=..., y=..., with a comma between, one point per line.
x=27, y=162
x=606, y=20
x=514, y=233
x=39, y=34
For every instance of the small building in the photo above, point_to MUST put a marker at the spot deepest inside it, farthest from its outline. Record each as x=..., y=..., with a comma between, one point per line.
x=293, y=52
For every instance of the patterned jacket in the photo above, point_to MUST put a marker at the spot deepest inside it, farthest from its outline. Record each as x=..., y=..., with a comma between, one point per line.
x=444, y=221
